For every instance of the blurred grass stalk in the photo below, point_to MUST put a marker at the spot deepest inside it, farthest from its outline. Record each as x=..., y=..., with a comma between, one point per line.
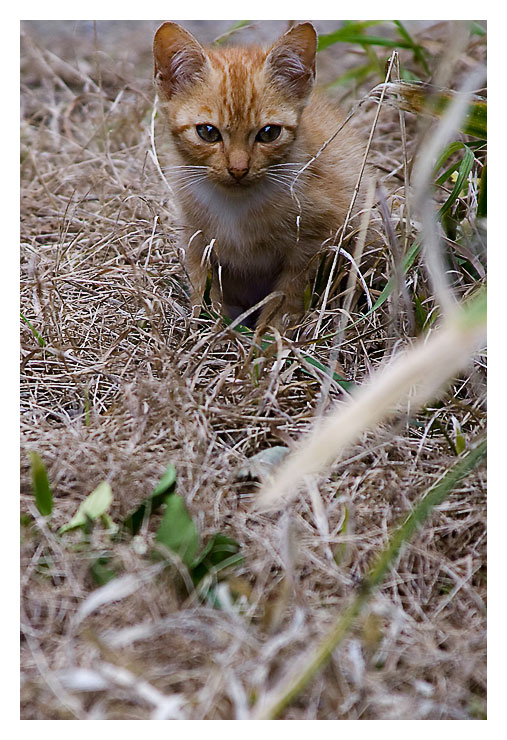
x=411, y=379
x=307, y=666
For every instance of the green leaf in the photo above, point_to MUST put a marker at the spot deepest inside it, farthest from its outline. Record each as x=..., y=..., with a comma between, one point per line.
x=235, y=27
x=421, y=315
x=421, y=97
x=177, y=530
x=463, y=172
x=343, y=35
x=346, y=384
x=418, y=50
x=100, y=572
x=94, y=506
x=449, y=151
x=408, y=261
x=482, y=200
x=476, y=29
x=356, y=74
x=36, y=334
x=40, y=484
x=348, y=29
x=220, y=552
x=149, y=505
x=166, y=482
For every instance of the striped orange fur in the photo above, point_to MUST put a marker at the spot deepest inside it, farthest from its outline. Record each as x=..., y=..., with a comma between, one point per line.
x=243, y=123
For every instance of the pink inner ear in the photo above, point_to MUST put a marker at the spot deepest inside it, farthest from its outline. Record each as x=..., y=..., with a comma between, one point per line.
x=287, y=69
x=179, y=58
x=291, y=61
x=185, y=65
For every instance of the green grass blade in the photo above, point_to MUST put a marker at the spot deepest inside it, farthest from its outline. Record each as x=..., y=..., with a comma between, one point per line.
x=482, y=200
x=343, y=36
x=464, y=170
x=317, y=659
x=36, y=334
x=235, y=27
x=346, y=384
x=357, y=75
x=418, y=50
x=40, y=484
x=408, y=261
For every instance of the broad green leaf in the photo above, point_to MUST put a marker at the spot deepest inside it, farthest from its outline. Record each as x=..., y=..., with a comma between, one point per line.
x=177, y=530
x=94, y=506
x=100, y=571
x=166, y=482
x=220, y=552
x=449, y=151
x=149, y=505
x=40, y=484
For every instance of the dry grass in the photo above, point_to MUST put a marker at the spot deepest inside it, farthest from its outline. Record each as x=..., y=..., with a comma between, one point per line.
x=125, y=383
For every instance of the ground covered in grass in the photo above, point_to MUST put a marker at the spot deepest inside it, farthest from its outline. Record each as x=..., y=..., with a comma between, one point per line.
x=119, y=385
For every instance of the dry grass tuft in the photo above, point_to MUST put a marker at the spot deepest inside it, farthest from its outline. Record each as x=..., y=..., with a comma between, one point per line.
x=117, y=382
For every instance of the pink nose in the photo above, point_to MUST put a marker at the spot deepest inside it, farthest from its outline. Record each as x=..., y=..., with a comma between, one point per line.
x=237, y=172
x=238, y=164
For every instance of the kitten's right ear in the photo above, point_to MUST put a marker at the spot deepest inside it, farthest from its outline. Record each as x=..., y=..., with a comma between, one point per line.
x=179, y=58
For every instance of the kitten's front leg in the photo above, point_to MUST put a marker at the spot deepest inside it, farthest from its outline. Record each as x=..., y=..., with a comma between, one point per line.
x=197, y=272
x=281, y=312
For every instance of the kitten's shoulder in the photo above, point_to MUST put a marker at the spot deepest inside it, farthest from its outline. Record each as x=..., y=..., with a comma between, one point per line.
x=321, y=119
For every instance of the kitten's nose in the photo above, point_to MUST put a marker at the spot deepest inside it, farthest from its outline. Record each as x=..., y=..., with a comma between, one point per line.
x=238, y=173
x=238, y=165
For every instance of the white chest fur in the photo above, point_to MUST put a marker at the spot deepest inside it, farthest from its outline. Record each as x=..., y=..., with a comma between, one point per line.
x=241, y=222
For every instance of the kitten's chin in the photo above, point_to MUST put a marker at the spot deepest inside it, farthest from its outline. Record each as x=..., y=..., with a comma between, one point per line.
x=235, y=187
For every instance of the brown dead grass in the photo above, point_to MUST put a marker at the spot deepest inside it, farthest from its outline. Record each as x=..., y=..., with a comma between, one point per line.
x=127, y=383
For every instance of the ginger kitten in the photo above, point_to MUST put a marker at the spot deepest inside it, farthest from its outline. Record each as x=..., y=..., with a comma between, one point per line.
x=243, y=122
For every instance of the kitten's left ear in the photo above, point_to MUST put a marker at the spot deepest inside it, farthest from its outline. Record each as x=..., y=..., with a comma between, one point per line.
x=291, y=60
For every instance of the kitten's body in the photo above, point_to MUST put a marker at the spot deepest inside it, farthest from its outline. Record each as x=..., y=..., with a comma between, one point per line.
x=236, y=192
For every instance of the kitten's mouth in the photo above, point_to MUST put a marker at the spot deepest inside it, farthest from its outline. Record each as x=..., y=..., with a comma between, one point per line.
x=237, y=185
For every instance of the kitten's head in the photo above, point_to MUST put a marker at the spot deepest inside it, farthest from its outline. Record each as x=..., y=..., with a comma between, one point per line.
x=234, y=111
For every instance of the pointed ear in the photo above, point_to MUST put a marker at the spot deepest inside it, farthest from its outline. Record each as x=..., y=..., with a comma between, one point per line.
x=291, y=60
x=179, y=59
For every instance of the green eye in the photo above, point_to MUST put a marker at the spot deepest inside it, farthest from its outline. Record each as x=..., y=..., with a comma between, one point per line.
x=269, y=134
x=208, y=133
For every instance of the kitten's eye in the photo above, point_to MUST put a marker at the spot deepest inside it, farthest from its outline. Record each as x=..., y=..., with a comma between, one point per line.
x=269, y=134
x=208, y=133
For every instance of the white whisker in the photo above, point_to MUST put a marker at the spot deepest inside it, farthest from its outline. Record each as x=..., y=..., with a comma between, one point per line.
x=192, y=182
x=186, y=167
